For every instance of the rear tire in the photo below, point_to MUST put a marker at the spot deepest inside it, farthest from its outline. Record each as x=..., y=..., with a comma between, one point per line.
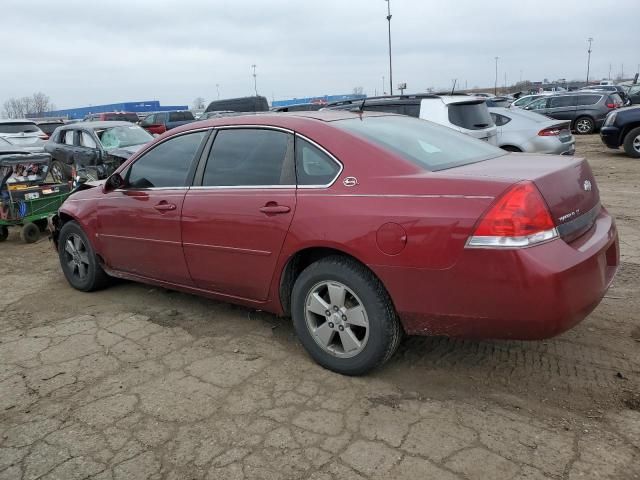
x=4, y=233
x=510, y=148
x=78, y=260
x=632, y=143
x=30, y=233
x=585, y=125
x=337, y=298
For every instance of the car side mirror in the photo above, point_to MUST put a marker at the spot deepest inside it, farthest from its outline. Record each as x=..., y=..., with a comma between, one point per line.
x=114, y=182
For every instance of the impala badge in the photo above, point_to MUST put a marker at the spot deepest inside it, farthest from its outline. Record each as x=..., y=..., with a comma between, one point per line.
x=587, y=186
x=350, y=182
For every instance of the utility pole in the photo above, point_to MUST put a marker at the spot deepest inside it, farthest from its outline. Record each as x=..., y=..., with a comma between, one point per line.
x=495, y=86
x=390, y=63
x=218, y=90
x=505, y=82
x=590, y=40
x=255, y=80
x=609, y=71
x=383, y=84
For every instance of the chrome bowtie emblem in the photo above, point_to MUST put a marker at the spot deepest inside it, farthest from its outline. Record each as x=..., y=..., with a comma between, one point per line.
x=350, y=182
x=586, y=186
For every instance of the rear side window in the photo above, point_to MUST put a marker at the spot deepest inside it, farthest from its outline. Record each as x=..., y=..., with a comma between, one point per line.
x=472, y=116
x=562, y=101
x=500, y=120
x=168, y=164
x=18, y=127
x=313, y=166
x=250, y=157
x=588, y=99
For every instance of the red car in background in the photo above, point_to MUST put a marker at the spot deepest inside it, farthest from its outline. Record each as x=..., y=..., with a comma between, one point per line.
x=112, y=117
x=160, y=122
x=361, y=226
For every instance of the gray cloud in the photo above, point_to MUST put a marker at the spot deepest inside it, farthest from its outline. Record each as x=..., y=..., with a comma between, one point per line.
x=89, y=53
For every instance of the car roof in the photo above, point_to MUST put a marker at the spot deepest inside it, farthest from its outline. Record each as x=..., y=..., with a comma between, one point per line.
x=98, y=124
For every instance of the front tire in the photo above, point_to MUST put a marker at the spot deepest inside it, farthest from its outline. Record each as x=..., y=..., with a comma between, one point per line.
x=78, y=260
x=585, y=125
x=58, y=172
x=632, y=143
x=344, y=317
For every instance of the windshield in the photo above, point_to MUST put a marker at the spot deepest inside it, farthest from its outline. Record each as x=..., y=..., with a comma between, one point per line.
x=19, y=127
x=425, y=144
x=123, y=136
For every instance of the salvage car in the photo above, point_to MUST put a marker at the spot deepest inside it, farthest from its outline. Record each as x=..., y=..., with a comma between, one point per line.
x=94, y=149
x=523, y=131
x=360, y=226
x=24, y=134
x=160, y=122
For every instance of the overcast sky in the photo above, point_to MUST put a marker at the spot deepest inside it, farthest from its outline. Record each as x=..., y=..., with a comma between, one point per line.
x=82, y=53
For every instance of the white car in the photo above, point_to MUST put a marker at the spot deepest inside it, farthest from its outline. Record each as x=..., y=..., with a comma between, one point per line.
x=524, y=131
x=23, y=134
x=464, y=113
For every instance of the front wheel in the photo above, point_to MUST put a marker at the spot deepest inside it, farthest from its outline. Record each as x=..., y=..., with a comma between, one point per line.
x=632, y=143
x=78, y=260
x=585, y=125
x=344, y=317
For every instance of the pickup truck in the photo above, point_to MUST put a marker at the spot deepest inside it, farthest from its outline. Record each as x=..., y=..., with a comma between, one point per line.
x=158, y=123
x=622, y=128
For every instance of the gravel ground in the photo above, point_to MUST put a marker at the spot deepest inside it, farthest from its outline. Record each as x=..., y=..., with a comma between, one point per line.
x=137, y=382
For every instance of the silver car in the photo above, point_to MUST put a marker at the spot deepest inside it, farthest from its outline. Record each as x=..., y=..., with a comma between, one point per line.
x=23, y=134
x=523, y=131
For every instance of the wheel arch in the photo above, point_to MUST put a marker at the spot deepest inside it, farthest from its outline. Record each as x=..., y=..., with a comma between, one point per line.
x=627, y=128
x=301, y=260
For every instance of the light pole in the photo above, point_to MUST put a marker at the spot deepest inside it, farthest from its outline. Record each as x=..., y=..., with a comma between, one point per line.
x=390, y=65
x=218, y=90
x=255, y=80
x=495, y=85
x=590, y=40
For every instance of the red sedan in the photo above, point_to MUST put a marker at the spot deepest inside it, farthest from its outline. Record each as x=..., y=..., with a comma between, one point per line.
x=361, y=227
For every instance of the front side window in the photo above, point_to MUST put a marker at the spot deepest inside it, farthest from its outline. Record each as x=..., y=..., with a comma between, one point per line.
x=166, y=165
x=500, y=120
x=86, y=140
x=538, y=104
x=429, y=146
x=562, y=101
x=313, y=166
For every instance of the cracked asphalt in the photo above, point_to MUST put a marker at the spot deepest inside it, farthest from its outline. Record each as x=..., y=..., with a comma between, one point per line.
x=136, y=382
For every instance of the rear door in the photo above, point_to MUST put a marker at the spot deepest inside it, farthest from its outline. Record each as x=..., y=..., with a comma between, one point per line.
x=237, y=214
x=139, y=225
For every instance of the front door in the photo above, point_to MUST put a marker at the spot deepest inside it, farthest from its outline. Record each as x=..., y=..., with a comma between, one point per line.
x=139, y=225
x=235, y=221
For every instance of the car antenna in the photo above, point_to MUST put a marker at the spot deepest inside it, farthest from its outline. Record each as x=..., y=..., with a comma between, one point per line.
x=454, y=85
x=362, y=104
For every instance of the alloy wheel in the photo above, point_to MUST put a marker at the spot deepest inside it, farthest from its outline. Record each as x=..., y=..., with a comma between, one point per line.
x=583, y=126
x=636, y=144
x=337, y=319
x=56, y=173
x=77, y=256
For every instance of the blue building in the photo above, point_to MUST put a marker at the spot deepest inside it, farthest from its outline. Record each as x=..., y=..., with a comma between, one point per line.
x=81, y=112
x=322, y=99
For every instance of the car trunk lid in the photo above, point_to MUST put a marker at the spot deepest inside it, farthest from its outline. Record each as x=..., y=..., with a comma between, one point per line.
x=567, y=185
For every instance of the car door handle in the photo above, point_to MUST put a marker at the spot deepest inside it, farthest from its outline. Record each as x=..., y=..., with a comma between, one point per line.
x=164, y=207
x=274, y=208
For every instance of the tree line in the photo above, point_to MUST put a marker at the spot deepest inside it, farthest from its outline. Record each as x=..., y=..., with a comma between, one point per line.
x=20, y=107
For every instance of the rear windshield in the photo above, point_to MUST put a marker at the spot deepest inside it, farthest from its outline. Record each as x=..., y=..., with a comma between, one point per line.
x=125, y=117
x=18, y=127
x=425, y=144
x=48, y=128
x=180, y=116
x=472, y=116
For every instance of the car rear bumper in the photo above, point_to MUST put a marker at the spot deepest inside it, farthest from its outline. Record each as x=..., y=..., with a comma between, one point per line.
x=610, y=136
x=552, y=145
x=526, y=294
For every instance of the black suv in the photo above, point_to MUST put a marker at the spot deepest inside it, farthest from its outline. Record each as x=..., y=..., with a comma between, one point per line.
x=622, y=128
x=586, y=109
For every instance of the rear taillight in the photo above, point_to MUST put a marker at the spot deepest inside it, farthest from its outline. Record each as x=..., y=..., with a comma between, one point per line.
x=550, y=132
x=611, y=105
x=519, y=218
